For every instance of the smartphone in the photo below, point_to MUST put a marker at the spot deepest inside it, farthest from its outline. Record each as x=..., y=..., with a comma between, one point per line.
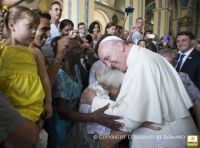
x=73, y=33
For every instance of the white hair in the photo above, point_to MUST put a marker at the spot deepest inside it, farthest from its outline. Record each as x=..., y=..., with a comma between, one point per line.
x=110, y=78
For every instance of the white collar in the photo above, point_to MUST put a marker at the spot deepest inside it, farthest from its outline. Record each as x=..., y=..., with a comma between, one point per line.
x=188, y=52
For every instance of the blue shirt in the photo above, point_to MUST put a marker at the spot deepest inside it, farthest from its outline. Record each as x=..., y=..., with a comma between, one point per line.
x=54, y=33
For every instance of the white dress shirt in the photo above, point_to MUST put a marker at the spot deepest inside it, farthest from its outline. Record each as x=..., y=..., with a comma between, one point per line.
x=186, y=56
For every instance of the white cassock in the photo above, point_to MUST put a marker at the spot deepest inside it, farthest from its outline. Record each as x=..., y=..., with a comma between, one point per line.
x=152, y=91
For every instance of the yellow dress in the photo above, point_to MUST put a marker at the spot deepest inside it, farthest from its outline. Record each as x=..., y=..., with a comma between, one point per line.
x=20, y=81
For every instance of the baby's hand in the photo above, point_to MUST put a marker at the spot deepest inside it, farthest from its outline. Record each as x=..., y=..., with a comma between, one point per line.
x=48, y=110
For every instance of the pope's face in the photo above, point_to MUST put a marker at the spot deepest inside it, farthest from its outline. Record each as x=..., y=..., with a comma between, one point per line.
x=113, y=56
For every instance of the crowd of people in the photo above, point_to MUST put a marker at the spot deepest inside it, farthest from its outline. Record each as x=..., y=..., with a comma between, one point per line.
x=61, y=87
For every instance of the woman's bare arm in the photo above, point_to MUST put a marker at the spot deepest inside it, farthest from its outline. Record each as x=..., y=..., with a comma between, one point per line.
x=10, y=3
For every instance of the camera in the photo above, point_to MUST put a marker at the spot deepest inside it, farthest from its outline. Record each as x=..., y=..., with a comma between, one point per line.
x=129, y=10
x=151, y=36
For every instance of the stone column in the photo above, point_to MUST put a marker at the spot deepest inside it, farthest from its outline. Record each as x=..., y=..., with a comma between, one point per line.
x=139, y=11
x=187, y=21
x=78, y=11
x=161, y=18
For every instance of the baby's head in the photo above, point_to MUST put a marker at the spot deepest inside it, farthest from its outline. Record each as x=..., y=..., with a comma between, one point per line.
x=22, y=23
x=110, y=80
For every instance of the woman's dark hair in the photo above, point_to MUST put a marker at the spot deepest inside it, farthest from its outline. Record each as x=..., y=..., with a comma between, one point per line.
x=89, y=38
x=64, y=23
x=141, y=41
x=54, y=44
x=92, y=25
x=109, y=25
x=74, y=44
x=118, y=30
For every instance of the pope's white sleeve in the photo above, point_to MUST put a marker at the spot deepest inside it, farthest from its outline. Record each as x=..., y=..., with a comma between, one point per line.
x=129, y=125
x=99, y=102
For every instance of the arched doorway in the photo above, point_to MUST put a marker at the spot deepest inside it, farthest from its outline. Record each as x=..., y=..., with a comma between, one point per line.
x=102, y=18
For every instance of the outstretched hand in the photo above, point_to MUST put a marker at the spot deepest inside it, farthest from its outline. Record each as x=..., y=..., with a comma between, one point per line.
x=107, y=120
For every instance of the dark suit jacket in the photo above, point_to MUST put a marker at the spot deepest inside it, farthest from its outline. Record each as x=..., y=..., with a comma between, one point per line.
x=84, y=76
x=192, y=67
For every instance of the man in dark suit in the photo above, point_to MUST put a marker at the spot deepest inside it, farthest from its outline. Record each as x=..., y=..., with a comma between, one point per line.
x=189, y=57
x=84, y=65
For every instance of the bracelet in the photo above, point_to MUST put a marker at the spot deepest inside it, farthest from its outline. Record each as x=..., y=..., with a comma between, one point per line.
x=5, y=8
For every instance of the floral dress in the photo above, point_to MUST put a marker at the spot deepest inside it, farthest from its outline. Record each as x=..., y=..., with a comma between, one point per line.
x=69, y=88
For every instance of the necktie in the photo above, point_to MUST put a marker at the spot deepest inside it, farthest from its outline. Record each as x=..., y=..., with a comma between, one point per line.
x=86, y=65
x=178, y=67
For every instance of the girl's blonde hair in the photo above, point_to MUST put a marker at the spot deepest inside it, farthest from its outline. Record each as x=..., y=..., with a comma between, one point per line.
x=19, y=12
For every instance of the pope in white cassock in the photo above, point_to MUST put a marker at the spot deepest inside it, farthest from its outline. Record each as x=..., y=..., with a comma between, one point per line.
x=151, y=92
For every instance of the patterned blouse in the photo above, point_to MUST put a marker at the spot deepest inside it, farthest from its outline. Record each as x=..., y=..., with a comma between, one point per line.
x=68, y=88
x=190, y=87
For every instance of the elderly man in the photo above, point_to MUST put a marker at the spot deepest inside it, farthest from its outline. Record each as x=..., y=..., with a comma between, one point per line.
x=151, y=92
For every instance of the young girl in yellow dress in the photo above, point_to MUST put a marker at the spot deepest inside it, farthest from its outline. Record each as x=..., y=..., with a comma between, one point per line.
x=23, y=75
